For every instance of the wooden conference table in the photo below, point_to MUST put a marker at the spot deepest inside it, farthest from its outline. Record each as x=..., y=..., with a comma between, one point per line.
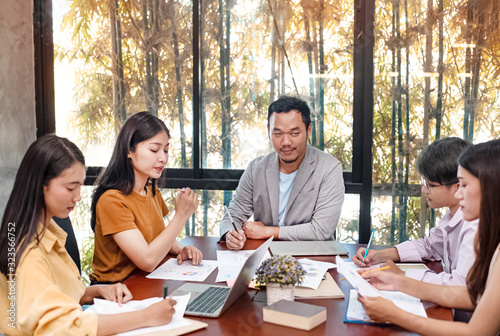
x=244, y=317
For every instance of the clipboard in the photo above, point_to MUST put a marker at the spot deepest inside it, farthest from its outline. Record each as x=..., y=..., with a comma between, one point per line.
x=360, y=321
x=365, y=322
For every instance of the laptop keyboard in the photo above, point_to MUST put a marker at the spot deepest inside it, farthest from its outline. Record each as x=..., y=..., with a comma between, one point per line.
x=209, y=300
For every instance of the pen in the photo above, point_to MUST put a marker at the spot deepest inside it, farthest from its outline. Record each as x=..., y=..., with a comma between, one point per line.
x=165, y=291
x=368, y=247
x=231, y=218
x=377, y=269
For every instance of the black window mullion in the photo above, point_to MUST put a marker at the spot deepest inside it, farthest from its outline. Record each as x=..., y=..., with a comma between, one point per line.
x=44, y=67
x=197, y=172
x=364, y=17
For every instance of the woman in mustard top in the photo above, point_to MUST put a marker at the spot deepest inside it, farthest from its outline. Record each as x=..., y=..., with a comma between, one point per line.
x=128, y=209
x=479, y=196
x=40, y=287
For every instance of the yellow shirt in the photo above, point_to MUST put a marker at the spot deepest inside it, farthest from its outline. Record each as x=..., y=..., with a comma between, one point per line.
x=115, y=213
x=47, y=291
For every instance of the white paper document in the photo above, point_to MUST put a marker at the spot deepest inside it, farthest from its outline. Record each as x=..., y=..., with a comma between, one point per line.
x=315, y=270
x=355, y=279
x=230, y=263
x=227, y=273
x=225, y=257
x=351, y=264
x=186, y=271
x=109, y=307
x=356, y=312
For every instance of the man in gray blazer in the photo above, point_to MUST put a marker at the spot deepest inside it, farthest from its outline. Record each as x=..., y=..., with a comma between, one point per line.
x=294, y=193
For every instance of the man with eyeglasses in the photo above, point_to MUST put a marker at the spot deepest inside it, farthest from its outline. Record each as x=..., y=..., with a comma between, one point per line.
x=452, y=240
x=294, y=193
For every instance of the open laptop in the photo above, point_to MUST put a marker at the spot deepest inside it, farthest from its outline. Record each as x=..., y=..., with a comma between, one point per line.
x=213, y=300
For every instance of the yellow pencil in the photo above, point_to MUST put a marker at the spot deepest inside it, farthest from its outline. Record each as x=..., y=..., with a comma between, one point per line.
x=377, y=269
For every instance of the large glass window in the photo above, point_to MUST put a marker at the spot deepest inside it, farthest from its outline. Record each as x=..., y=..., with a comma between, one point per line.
x=254, y=51
x=435, y=76
x=116, y=58
x=211, y=78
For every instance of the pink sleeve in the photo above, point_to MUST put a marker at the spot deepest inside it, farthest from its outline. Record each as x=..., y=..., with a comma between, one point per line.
x=465, y=259
x=427, y=248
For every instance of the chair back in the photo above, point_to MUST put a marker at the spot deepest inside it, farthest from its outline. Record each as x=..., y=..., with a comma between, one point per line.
x=71, y=244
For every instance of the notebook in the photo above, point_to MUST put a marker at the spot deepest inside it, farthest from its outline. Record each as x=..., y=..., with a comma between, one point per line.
x=213, y=300
x=308, y=248
x=327, y=289
x=355, y=313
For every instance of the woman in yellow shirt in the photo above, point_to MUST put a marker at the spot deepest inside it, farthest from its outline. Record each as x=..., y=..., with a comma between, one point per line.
x=479, y=176
x=40, y=287
x=128, y=209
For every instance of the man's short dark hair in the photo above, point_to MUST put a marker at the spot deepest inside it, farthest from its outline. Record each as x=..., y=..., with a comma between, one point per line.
x=438, y=162
x=285, y=104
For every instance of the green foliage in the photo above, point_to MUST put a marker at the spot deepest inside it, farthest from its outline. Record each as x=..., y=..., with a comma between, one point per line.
x=86, y=255
x=94, y=117
x=80, y=219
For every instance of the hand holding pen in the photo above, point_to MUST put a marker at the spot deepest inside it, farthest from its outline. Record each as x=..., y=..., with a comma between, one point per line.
x=186, y=202
x=366, y=256
x=165, y=291
x=235, y=239
x=368, y=246
x=374, y=270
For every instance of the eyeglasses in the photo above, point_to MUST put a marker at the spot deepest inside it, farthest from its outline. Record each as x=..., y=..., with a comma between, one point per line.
x=427, y=185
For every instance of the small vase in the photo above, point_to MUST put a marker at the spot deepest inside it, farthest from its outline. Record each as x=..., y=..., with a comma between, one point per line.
x=276, y=292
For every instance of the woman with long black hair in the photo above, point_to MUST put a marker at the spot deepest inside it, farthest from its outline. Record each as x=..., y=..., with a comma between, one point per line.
x=41, y=291
x=128, y=209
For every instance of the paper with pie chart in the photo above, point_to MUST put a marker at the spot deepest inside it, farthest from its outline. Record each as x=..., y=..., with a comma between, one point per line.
x=315, y=270
x=186, y=271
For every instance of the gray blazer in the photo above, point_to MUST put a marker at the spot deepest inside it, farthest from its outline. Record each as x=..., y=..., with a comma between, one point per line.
x=314, y=205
